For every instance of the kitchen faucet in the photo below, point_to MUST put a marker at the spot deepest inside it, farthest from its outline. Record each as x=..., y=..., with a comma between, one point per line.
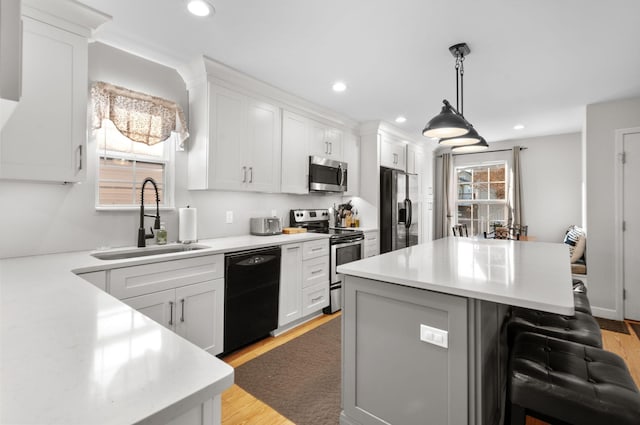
x=142, y=235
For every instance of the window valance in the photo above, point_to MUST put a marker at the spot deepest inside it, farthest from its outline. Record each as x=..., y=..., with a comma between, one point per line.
x=138, y=116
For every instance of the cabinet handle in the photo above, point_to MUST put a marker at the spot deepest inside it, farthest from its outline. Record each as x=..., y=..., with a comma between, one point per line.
x=250, y=174
x=171, y=313
x=316, y=271
x=244, y=174
x=316, y=299
x=79, y=157
x=330, y=148
x=182, y=314
x=395, y=158
x=316, y=249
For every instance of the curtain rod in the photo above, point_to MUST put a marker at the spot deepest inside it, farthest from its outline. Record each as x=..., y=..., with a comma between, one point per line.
x=475, y=153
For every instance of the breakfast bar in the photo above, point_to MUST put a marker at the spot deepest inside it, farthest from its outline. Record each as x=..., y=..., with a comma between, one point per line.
x=423, y=334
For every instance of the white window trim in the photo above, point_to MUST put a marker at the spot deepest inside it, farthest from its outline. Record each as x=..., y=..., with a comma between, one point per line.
x=169, y=184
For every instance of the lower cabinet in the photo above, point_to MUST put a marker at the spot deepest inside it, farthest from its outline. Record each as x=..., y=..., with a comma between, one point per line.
x=304, y=283
x=371, y=244
x=194, y=312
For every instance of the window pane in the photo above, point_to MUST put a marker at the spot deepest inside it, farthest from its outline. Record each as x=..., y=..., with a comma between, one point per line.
x=481, y=191
x=464, y=175
x=481, y=175
x=116, y=169
x=497, y=191
x=497, y=173
x=464, y=191
x=115, y=193
x=464, y=212
x=498, y=212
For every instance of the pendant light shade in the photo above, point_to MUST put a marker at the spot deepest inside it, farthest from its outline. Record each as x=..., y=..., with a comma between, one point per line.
x=480, y=146
x=472, y=137
x=446, y=124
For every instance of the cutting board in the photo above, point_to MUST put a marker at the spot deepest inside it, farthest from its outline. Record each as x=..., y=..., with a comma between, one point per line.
x=292, y=230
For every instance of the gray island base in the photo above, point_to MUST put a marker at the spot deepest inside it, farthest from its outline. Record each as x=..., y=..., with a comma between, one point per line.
x=423, y=334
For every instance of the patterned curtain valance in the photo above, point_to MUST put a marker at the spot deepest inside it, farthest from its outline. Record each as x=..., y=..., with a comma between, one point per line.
x=138, y=116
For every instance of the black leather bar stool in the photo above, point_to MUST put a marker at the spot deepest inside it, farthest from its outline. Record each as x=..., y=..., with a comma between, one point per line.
x=581, y=327
x=562, y=382
x=581, y=302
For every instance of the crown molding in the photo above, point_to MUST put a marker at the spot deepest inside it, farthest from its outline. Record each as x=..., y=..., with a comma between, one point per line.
x=70, y=15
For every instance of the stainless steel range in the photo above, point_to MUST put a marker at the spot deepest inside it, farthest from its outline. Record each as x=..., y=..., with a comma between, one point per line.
x=346, y=244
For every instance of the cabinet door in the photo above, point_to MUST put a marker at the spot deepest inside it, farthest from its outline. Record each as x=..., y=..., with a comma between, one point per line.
x=199, y=314
x=290, y=304
x=263, y=147
x=45, y=137
x=392, y=153
x=351, y=155
x=295, y=156
x=415, y=159
x=335, y=138
x=371, y=245
x=228, y=164
x=318, y=141
x=315, y=297
x=158, y=306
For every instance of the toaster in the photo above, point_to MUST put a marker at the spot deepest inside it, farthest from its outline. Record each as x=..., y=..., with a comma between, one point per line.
x=263, y=226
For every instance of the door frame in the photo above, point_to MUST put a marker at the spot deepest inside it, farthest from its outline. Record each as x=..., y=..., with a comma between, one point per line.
x=618, y=217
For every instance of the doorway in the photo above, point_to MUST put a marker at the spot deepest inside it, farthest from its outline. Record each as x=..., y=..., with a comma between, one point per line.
x=628, y=149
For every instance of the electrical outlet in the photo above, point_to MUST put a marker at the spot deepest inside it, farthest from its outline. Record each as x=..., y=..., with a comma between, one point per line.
x=274, y=213
x=434, y=336
x=229, y=217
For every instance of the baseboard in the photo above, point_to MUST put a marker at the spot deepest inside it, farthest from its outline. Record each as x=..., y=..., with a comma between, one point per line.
x=296, y=323
x=605, y=313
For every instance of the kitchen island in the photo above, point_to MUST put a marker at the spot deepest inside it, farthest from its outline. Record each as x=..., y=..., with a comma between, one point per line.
x=423, y=334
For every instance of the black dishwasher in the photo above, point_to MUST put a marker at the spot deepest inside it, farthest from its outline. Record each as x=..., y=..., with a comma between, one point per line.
x=251, y=291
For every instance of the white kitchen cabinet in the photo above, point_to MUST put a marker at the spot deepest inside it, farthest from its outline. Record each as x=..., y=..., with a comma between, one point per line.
x=10, y=57
x=290, y=303
x=392, y=153
x=302, y=137
x=236, y=144
x=351, y=155
x=371, y=243
x=45, y=137
x=194, y=312
x=304, y=280
x=415, y=159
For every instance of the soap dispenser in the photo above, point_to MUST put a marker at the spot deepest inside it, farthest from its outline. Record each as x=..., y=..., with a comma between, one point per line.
x=161, y=235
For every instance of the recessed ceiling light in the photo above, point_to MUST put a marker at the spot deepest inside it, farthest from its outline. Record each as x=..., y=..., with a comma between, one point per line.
x=401, y=119
x=200, y=7
x=518, y=127
x=339, y=86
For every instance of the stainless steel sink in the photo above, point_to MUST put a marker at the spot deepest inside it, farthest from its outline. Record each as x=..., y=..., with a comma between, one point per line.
x=121, y=254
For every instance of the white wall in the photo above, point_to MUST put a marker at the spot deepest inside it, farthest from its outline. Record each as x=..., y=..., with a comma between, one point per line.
x=602, y=120
x=40, y=218
x=551, y=181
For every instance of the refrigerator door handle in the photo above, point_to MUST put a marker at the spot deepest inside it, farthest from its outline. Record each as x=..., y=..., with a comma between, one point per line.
x=409, y=207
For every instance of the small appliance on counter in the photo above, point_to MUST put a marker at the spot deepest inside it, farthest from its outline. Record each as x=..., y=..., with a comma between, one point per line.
x=265, y=226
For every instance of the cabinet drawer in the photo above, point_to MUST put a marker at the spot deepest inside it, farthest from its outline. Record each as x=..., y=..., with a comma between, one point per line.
x=315, y=249
x=138, y=280
x=315, y=271
x=315, y=298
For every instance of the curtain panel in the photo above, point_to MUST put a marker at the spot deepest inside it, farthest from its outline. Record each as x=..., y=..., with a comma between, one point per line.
x=444, y=191
x=138, y=116
x=516, y=188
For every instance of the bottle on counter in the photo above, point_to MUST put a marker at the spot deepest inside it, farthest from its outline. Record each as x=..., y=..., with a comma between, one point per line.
x=356, y=219
x=161, y=235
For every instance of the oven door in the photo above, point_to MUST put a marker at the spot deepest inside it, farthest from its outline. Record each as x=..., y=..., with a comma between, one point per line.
x=327, y=175
x=345, y=252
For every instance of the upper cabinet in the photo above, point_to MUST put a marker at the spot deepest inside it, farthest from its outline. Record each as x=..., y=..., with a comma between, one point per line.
x=10, y=57
x=45, y=137
x=236, y=145
x=301, y=138
x=392, y=153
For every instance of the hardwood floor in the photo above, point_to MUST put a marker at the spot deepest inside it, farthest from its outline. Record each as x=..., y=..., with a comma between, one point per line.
x=241, y=408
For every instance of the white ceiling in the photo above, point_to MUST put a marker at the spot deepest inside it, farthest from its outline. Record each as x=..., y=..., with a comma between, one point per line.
x=534, y=62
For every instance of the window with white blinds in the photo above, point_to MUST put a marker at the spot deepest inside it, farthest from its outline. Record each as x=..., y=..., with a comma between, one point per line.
x=124, y=164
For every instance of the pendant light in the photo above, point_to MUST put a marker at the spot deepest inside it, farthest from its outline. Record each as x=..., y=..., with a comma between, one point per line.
x=482, y=145
x=450, y=126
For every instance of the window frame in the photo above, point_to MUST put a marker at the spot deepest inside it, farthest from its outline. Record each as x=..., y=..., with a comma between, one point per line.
x=168, y=160
x=484, y=202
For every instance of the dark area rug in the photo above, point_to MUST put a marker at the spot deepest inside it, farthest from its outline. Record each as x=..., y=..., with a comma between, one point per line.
x=613, y=325
x=636, y=328
x=300, y=379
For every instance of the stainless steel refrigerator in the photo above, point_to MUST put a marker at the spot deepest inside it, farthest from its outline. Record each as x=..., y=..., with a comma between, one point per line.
x=399, y=209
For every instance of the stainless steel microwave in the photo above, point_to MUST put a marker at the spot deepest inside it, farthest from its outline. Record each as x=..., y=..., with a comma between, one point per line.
x=327, y=175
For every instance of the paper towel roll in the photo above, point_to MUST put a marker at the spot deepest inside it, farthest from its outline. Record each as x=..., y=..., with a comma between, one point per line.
x=187, y=225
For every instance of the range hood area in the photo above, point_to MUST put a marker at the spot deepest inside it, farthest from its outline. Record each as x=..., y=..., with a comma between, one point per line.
x=10, y=58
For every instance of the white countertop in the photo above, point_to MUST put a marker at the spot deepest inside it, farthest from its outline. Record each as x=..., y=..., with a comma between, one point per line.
x=72, y=354
x=533, y=275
